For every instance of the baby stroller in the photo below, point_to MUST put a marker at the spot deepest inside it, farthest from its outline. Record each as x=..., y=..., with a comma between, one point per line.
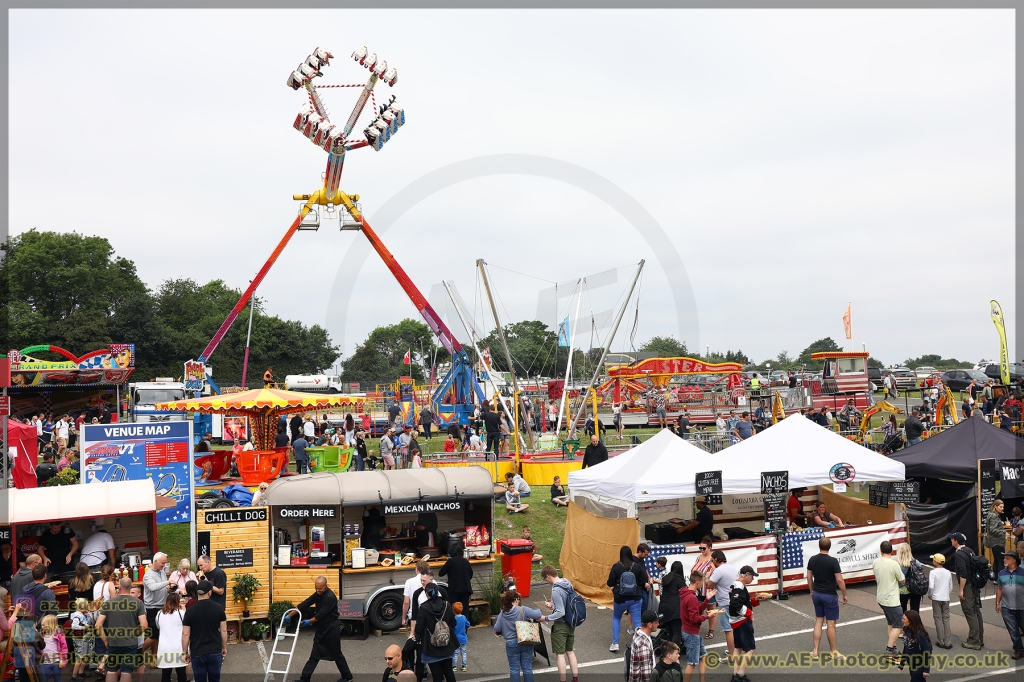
x=891, y=444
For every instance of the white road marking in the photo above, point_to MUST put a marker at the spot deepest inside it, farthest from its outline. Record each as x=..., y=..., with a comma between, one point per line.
x=777, y=635
x=790, y=608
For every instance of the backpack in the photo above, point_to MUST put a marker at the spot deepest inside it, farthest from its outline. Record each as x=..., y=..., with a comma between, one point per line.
x=575, y=608
x=979, y=572
x=442, y=634
x=627, y=584
x=917, y=581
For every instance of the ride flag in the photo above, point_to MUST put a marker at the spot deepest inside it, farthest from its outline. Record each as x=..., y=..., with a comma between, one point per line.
x=563, y=332
x=408, y=357
x=1004, y=356
x=848, y=322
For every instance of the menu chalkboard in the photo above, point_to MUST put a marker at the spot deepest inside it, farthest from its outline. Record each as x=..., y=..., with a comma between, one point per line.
x=774, y=482
x=351, y=608
x=908, y=492
x=988, y=474
x=878, y=495
x=775, y=518
x=234, y=558
x=709, y=483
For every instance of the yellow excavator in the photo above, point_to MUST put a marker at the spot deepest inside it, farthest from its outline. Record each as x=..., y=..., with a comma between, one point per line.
x=946, y=404
x=778, y=409
x=865, y=422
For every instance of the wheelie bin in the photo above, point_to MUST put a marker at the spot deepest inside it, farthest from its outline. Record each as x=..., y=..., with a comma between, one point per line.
x=517, y=562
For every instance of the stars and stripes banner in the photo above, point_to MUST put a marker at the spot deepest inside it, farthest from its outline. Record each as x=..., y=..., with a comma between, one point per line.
x=855, y=548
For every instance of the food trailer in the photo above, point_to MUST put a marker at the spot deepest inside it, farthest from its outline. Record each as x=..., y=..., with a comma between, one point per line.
x=124, y=509
x=358, y=530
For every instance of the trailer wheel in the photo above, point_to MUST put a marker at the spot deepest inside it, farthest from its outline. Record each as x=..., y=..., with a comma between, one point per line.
x=386, y=612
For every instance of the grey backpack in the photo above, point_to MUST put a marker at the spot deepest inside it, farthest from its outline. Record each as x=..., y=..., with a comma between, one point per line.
x=442, y=634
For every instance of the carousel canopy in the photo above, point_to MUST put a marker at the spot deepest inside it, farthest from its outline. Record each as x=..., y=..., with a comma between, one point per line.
x=260, y=400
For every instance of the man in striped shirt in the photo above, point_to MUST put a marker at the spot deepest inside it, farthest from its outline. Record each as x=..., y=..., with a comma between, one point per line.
x=1010, y=600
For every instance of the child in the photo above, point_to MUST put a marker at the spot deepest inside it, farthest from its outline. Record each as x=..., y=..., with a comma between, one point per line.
x=512, y=503
x=417, y=461
x=940, y=581
x=55, y=649
x=461, y=624
x=660, y=566
x=99, y=648
x=668, y=668
x=1015, y=518
x=558, y=496
x=449, y=443
x=693, y=612
x=28, y=646
x=83, y=637
x=741, y=618
x=140, y=670
x=527, y=536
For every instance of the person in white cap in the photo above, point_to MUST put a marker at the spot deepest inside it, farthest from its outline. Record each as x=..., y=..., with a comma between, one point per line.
x=940, y=581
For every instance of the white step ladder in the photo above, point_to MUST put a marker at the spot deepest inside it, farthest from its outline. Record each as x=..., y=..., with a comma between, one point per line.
x=281, y=636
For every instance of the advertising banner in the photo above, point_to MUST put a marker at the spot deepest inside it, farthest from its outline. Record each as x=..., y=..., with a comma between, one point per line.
x=856, y=548
x=752, y=504
x=195, y=375
x=161, y=451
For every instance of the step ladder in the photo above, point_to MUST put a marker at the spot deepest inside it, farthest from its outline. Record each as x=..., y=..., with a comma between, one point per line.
x=287, y=655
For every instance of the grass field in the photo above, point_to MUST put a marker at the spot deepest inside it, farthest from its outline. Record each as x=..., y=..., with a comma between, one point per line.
x=173, y=540
x=546, y=522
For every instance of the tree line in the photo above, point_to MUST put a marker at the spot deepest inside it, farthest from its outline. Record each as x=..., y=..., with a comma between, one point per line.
x=73, y=291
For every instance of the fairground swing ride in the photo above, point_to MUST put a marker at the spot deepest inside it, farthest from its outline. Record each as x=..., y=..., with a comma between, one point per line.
x=452, y=400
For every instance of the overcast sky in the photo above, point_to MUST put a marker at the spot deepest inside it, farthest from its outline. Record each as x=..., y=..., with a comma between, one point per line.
x=797, y=160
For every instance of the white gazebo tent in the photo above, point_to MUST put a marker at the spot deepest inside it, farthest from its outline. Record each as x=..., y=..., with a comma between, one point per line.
x=665, y=467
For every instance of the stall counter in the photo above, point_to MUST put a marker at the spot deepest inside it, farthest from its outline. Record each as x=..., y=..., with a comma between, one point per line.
x=433, y=564
x=358, y=583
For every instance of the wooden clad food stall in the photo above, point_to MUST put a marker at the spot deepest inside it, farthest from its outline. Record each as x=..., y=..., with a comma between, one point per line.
x=234, y=538
x=359, y=530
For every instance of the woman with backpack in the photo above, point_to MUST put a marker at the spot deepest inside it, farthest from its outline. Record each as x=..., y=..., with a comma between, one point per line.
x=628, y=580
x=913, y=571
x=520, y=655
x=435, y=634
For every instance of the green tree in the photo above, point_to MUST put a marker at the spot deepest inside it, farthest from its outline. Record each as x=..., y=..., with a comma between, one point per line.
x=665, y=347
x=534, y=349
x=824, y=345
x=936, y=361
x=380, y=357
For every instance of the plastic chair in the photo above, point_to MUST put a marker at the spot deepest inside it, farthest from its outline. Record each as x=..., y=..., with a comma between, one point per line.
x=259, y=466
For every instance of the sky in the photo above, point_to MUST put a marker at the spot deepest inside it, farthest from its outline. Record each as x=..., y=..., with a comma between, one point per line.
x=796, y=161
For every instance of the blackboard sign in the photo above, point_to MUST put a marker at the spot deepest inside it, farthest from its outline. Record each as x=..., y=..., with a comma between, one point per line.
x=774, y=482
x=878, y=495
x=234, y=558
x=203, y=543
x=775, y=517
x=709, y=483
x=235, y=515
x=988, y=474
x=351, y=608
x=908, y=492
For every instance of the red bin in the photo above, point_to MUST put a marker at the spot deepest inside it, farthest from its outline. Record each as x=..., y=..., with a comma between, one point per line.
x=517, y=562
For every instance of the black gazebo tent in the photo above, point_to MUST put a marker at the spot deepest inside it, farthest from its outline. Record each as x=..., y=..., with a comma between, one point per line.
x=953, y=454
x=947, y=465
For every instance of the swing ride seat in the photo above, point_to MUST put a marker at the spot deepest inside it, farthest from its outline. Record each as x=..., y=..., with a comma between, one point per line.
x=259, y=466
x=219, y=462
x=570, y=448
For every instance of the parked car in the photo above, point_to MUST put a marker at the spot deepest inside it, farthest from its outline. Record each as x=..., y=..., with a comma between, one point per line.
x=905, y=378
x=960, y=379
x=924, y=371
x=875, y=377
x=779, y=378
x=1016, y=371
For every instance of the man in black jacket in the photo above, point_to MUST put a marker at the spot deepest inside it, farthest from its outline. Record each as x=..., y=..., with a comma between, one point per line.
x=595, y=453
x=327, y=638
x=913, y=427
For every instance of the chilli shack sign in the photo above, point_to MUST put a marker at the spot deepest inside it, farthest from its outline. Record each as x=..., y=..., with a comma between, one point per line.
x=422, y=507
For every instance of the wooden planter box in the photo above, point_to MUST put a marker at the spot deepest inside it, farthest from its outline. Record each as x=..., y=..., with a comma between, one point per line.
x=234, y=631
x=264, y=621
x=479, y=611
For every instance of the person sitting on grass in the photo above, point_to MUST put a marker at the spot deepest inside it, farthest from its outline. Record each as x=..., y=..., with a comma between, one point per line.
x=558, y=496
x=512, y=503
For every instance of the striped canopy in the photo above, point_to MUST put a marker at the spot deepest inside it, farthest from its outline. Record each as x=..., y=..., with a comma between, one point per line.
x=259, y=400
x=263, y=406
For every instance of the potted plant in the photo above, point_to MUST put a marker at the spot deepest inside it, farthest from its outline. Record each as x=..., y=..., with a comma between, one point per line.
x=278, y=609
x=244, y=589
x=246, y=630
x=262, y=631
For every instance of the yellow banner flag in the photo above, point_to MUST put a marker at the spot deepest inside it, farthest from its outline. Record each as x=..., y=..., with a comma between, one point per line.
x=1004, y=355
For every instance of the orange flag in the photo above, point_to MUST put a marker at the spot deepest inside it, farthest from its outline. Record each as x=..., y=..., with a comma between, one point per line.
x=848, y=323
